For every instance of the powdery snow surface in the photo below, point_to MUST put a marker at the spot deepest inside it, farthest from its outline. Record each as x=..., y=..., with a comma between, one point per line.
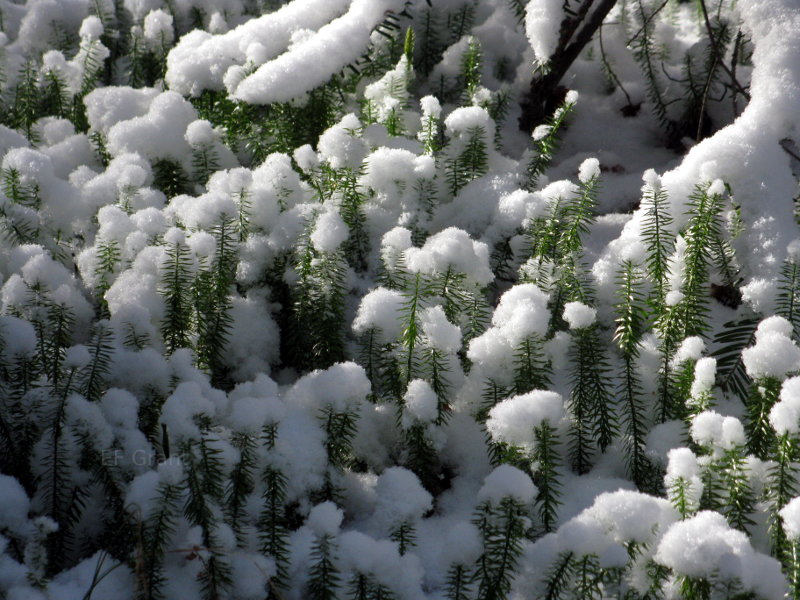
x=286, y=293
x=514, y=420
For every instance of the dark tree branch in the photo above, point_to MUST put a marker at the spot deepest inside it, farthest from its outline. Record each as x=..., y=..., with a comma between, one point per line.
x=543, y=96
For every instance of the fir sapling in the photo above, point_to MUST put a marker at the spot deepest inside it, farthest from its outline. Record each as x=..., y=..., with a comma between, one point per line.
x=590, y=403
x=324, y=577
x=206, y=212
x=500, y=517
x=532, y=421
x=782, y=477
x=768, y=362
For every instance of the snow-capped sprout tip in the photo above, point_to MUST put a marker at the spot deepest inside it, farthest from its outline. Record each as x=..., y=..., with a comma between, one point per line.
x=158, y=28
x=572, y=97
x=784, y=416
x=704, y=373
x=200, y=133
x=589, y=169
x=420, y=403
x=325, y=519
x=691, y=348
x=77, y=357
x=673, y=298
x=651, y=179
x=790, y=514
x=716, y=188
x=540, y=132
x=507, y=482
x=91, y=28
x=513, y=420
x=578, y=315
x=774, y=354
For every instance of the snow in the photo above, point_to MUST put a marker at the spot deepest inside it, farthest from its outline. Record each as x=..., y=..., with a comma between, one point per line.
x=158, y=29
x=92, y=28
x=343, y=387
x=774, y=354
x=790, y=515
x=506, y=481
x=318, y=57
x=542, y=23
x=712, y=430
x=400, y=497
x=631, y=516
x=325, y=519
x=462, y=120
x=682, y=465
x=691, y=348
x=159, y=133
x=200, y=133
x=513, y=420
x=339, y=147
x=148, y=404
x=380, y=309
x=784, y=416
x=705, y=544
x=589, y=170
x=705, y=371
x=200, y=60
x=451, y=247
x=522, y=312
x=420, y=403
x=439, y=333
x=329, y=232
x=579, y=315
x=14, y=506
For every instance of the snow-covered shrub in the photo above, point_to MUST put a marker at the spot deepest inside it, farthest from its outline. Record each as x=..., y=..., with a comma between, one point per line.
x=372, y=299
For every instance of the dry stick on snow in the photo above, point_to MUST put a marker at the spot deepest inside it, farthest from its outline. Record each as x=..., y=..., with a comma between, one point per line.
x=715, y=46
x=542, y=98
x=610, y=69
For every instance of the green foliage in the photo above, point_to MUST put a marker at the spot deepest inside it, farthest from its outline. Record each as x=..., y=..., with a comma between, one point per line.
x=760, y=435
x=546, y=457
x=704, y=228
x=241, y=483
x=324, y=578
x=458, y=585
x=204, y=482
x=157, y=529
x=471, y=70
x=25, y=109
x=405, y=535
x=93, y=377
x=502, y=527
x=782, y=486
x=734, y=337
x=590, y=402
x=317, y=313
x=545, y=144
x=472, y=162
x=273, y=532
x=531, y=368
x=205, y=161
x=169, y=177
x=646, y=53
x=631, y=319
x=788, y=300
x=212, y=298
x=735, y=478
x=657, y=236
x=176, y=289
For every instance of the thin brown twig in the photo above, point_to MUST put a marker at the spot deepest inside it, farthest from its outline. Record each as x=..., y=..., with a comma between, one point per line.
x=646, y=22
x=610, y=70
x=709, y=28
